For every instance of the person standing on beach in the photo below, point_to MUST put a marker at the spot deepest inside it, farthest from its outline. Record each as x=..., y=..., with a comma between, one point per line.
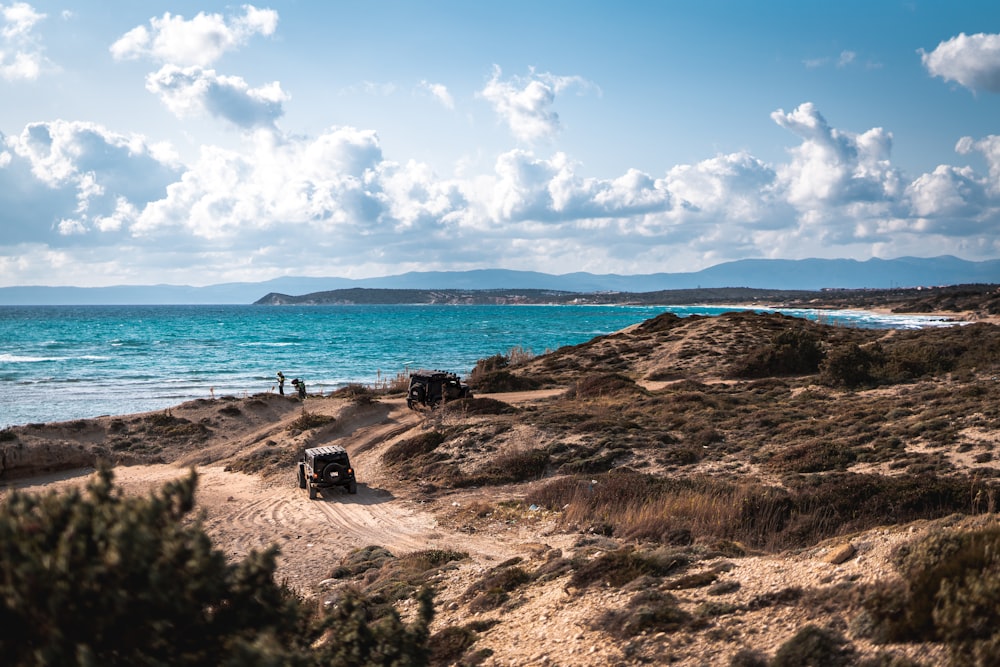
x=301, y=386
x=281, y=383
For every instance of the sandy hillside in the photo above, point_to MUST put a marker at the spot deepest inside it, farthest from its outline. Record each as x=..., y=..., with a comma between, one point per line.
x=244, y=452
x=552, y=624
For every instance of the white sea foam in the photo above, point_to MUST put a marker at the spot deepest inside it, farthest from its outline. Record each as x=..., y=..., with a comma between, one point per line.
x=19, y=359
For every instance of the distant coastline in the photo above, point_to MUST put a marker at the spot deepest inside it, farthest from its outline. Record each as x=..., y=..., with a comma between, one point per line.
x=762, y=275
x=982, y=300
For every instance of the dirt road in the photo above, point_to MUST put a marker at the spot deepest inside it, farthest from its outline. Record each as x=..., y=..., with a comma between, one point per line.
x=245, y=512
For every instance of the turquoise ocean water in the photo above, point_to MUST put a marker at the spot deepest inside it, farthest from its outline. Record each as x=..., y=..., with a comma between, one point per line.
x=59, y=363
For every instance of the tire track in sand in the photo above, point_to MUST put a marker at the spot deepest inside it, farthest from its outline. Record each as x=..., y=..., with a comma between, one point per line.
x=245, y=512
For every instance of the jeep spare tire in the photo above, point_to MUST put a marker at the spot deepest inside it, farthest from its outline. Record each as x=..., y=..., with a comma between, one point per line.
x=333, y=473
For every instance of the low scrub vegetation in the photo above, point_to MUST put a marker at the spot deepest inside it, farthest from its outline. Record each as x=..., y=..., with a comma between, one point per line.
x=165, y=425
x=603, y=385
x=791, y=352
x=648, y=611
x=616, y=458
x=493, y=374
x=708, y=510
x=384, y=579
x=309, y=420
x=947, y=592
x=269, y=457
x=410, y=450
x=358, y=394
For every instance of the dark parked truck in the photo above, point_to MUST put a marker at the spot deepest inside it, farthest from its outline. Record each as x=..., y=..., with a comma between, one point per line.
x=326, y=468
x=432, y=388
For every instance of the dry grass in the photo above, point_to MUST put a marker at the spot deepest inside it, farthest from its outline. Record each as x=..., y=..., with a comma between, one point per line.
x=708, y=510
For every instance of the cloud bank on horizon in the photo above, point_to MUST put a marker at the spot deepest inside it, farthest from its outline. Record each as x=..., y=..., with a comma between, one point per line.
x=249, y=196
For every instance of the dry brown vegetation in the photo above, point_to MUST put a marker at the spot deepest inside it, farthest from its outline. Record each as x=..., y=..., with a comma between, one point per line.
x=721, y=437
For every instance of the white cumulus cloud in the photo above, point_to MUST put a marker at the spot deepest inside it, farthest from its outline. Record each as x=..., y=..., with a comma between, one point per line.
x=525, y=103
x=833, y=167
x=735, y=187
x=193, y=91
x=21, y=56
x=947, y=193
x=333, y=204
x=77, y=173
x=199, y=41
x=323, y=183
x=549, y=190
x=972, y=61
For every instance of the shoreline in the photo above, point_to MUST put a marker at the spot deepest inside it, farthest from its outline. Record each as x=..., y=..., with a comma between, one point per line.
x=968, y=316
x=957, y=318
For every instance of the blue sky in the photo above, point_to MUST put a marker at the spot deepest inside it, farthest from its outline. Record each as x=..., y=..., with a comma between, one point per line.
x=204, y=142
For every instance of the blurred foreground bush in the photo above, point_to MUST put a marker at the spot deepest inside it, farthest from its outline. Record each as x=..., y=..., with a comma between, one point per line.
x=947, y=592
x=98, y=578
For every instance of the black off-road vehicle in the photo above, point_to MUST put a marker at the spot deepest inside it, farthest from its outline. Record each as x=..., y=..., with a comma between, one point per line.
x=432, y=388
x=325, y=468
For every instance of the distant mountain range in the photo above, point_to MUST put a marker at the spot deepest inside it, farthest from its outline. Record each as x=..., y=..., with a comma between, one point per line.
x=774, y=274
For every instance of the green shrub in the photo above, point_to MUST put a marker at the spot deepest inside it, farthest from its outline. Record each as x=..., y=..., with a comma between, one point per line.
x=498, y=381
x=497, y=362
x=791, y=352
x=748, y=658
x=165, y=425
x=814, y=457
x=449, y=644
x=492, y=374
x=359, y=561
x=910, y=360
x=133, y=581
x=494, y=589
x=852, y=366
x=589, y=460
x=269, y=458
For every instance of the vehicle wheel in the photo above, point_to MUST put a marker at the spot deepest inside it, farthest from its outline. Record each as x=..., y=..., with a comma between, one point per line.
x=418, y=395
x=352, y=487
x=302, y=477
x=312, y=492
x=332, y=472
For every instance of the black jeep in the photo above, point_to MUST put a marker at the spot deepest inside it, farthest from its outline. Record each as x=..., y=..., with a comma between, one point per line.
x=324, y=468
x=432, y=388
